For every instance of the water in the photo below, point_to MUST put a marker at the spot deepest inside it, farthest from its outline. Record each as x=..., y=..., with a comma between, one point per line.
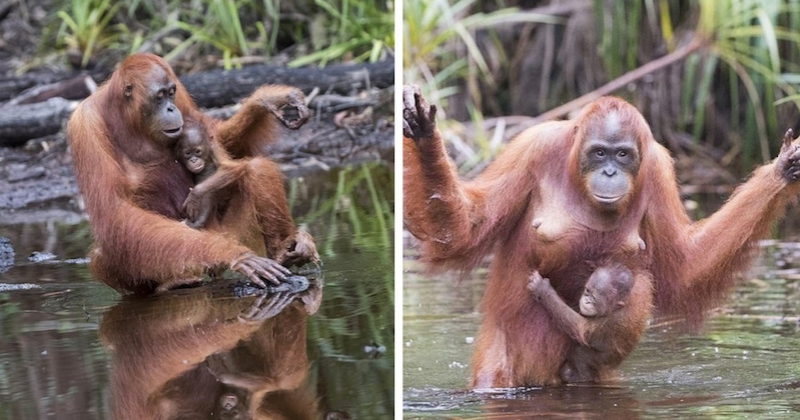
x=743, y=364
x=70, y=347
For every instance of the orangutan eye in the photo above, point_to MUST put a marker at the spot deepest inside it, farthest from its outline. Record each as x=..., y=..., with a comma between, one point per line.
x=600, y=153
x=622, y=153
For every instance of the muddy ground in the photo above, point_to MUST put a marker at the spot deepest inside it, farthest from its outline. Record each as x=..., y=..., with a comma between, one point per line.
x=37, y=181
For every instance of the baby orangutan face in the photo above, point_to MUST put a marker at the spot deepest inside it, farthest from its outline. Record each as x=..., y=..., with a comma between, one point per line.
x=193, y=149
x=606, y=290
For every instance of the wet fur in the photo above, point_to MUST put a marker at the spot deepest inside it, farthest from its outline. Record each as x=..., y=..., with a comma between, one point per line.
x=537, y=177
x=134, y=190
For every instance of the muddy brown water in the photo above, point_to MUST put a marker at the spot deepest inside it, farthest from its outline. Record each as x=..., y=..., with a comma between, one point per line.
x=744, y=363
x=70, y=347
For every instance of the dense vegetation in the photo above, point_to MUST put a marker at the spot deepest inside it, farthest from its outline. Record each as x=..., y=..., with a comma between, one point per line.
x=203, y=33
x=717, y=80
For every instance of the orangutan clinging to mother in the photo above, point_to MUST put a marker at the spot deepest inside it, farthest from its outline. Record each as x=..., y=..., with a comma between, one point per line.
x=565, y=195
x=122, y=139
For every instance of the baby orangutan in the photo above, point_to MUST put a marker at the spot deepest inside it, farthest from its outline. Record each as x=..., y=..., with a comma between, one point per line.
x=194, y=151
x=608, y=308
x=214, y=172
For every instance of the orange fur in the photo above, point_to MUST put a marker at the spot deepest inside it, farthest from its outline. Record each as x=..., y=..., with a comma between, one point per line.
x=134, y=189
x=174, y=356
x=529, y=209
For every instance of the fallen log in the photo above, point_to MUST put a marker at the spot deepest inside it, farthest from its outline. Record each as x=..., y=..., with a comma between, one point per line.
x=40, y=178
x=75, y=88
x=19, y=123
x=22, y=122
x=11, y=87
x=217, y=88
x=222, y=87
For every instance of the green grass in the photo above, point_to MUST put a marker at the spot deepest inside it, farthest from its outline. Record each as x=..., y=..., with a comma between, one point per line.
x=732, y=95
x=302, y=32
x=85, y=27
x=356, y=30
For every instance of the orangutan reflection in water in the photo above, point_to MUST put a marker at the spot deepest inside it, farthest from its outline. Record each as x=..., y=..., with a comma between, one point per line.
x=194, y=354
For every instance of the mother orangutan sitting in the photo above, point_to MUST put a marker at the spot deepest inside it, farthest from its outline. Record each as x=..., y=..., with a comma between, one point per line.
x=122, y=138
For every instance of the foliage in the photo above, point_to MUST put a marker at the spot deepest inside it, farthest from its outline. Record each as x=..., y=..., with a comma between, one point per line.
x=85, y=29
x=734, y=86
x=220, y=28
x=357, y=30
x=746, y=36
x=439, y=46
x=238, y=30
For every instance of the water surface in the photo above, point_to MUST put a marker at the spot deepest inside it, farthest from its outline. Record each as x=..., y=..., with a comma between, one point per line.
x=744, y=363
x=70, y=347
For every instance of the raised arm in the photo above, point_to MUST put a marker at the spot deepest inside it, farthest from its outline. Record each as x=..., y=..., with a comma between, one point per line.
x=458, y=222
x=725, y=236
x=254, y=125
x=436, y=210
x=696, y=264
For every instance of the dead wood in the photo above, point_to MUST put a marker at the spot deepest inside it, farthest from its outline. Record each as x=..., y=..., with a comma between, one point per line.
x=218, y=88
x=19, y=123
x=21, y=119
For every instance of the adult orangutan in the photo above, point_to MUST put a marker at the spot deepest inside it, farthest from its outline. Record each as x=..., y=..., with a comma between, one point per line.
x=565, y=195
x=122, y=139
